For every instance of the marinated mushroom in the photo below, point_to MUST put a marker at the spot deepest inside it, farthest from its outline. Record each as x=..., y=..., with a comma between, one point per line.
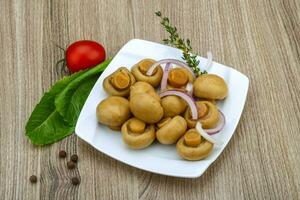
x=143, y=87
x=119, y=82
x=179, y=77
x=145, y=103
x=170, y=129
x=113, y=111
x=192, y=146
x=210, y=86
x=146, y=108
x=208, y=115
x=140, y=69
x=137, y=134
x=173, y=106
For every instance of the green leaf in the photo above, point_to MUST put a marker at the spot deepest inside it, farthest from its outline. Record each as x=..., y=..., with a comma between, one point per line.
x=51, y=130
x=45, y=125
x=71, y=100
x=70, y=110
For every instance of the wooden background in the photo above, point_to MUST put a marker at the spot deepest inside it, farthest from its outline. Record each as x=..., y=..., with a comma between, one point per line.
x=259, y=38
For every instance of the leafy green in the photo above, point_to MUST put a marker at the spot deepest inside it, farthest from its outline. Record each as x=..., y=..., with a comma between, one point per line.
x=46, y=125
x=71, y=100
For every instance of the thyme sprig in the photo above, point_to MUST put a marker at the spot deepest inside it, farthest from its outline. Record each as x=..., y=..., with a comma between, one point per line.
x=185, y=45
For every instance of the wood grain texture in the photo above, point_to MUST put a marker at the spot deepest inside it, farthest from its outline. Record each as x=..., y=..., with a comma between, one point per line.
x=258, y=38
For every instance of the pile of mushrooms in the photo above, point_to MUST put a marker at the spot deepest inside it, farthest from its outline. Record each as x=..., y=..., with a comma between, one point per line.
x=144, y=112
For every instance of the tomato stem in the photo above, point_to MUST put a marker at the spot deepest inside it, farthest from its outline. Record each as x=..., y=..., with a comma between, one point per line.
x=60, y=47
x=63, y=67
x=61, y=64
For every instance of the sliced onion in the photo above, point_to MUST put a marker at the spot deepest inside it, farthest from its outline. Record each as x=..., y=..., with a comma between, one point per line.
x=189, y=100
x=206, y=136
x=164, y=80
x=183, y=90
x=189, y=88
x=219, y=126
x=209, y=60
x=173, y=61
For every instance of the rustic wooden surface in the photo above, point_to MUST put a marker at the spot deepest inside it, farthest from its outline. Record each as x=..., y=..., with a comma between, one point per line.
x=258, y=38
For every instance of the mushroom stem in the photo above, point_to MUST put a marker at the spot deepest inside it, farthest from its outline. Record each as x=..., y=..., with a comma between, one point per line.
x=192, y=138
x=136, y=126
x=177, y=77
x=145, y=65
x=121, y=80
x=202, y=109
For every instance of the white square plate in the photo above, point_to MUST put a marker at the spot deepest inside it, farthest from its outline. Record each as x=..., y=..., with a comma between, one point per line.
x=157, y=158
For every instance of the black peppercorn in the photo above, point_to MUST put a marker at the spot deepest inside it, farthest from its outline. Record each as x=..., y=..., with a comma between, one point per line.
x=75, y=181
x=62, y=154
x=71, y=165
x=33, y=179
x=74, y=158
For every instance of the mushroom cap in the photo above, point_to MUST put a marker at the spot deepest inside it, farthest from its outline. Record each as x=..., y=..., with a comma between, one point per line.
x=146, y=108
x=137, y=140
x=171, y=130
x=173, y=106
x=210, y=86
x=194, y=152
x=113, y=111
x=141, y=87
x=209, y=119
x=154, y=79
x=112, y=90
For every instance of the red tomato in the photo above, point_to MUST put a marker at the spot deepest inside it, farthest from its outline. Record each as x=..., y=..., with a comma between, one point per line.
x=84, y=54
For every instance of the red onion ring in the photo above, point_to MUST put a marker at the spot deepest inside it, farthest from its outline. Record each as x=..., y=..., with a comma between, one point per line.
x=187, y=98
x=206, y=136
x=173, y=61
x=164, y=80
x=183, y=90
x=219, y=126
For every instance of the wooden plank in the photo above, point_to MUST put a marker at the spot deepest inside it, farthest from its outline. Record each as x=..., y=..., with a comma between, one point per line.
x=254, y=38
x=258, y=38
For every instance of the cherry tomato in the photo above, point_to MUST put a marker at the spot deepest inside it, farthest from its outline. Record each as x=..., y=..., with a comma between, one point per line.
x=84, y=54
